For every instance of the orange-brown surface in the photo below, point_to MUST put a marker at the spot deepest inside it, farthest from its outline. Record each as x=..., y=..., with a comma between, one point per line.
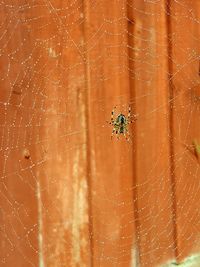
x=70, y=195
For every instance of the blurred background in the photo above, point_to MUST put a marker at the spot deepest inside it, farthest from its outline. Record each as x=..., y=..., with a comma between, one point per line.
x=70, y=195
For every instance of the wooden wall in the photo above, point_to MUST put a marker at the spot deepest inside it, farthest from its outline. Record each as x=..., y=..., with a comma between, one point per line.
x=70, y=196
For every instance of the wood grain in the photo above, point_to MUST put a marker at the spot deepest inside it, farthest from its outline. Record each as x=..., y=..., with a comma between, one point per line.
x=153, y=172
x=111, y=174
x=185, y=79
x=70, y=195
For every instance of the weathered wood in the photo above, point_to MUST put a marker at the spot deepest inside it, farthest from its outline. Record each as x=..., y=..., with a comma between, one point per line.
x=111, y=174
x=63, y=176
x=69, y=194
x=184, y=81
x=154, y=203
x=18, y=200
x=44, y=199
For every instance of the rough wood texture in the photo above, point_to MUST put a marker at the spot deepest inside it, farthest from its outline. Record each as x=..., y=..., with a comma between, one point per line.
x=152, y=155
x=112, y=214
x=186, y=129
x=69, y=194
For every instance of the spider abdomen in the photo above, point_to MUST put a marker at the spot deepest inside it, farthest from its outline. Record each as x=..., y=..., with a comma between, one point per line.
x=122, y=129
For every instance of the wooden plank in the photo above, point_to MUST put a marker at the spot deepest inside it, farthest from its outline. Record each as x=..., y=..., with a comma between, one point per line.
x=68, y=193
x=111, y=175
x=44, y=199
x=63, y=172
x=154, y=203
x=18, y=216
x=185, y=79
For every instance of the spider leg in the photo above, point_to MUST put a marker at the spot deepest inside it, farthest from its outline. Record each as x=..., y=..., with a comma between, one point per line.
x=112, y=115
x=110, y=122
x=127, y=135
x=129, y=116
x=113, y=131
x=129, y=112
x=117, y=133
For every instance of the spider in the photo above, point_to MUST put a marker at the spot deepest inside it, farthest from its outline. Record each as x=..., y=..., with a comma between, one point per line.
x=120, y=123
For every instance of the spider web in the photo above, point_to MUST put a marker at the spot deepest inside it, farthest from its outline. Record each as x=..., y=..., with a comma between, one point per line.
x=69, y=195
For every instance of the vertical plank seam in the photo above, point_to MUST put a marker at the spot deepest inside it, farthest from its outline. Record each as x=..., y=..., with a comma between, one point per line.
x=131, y=27
x=87, y=117
x=171, y=123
